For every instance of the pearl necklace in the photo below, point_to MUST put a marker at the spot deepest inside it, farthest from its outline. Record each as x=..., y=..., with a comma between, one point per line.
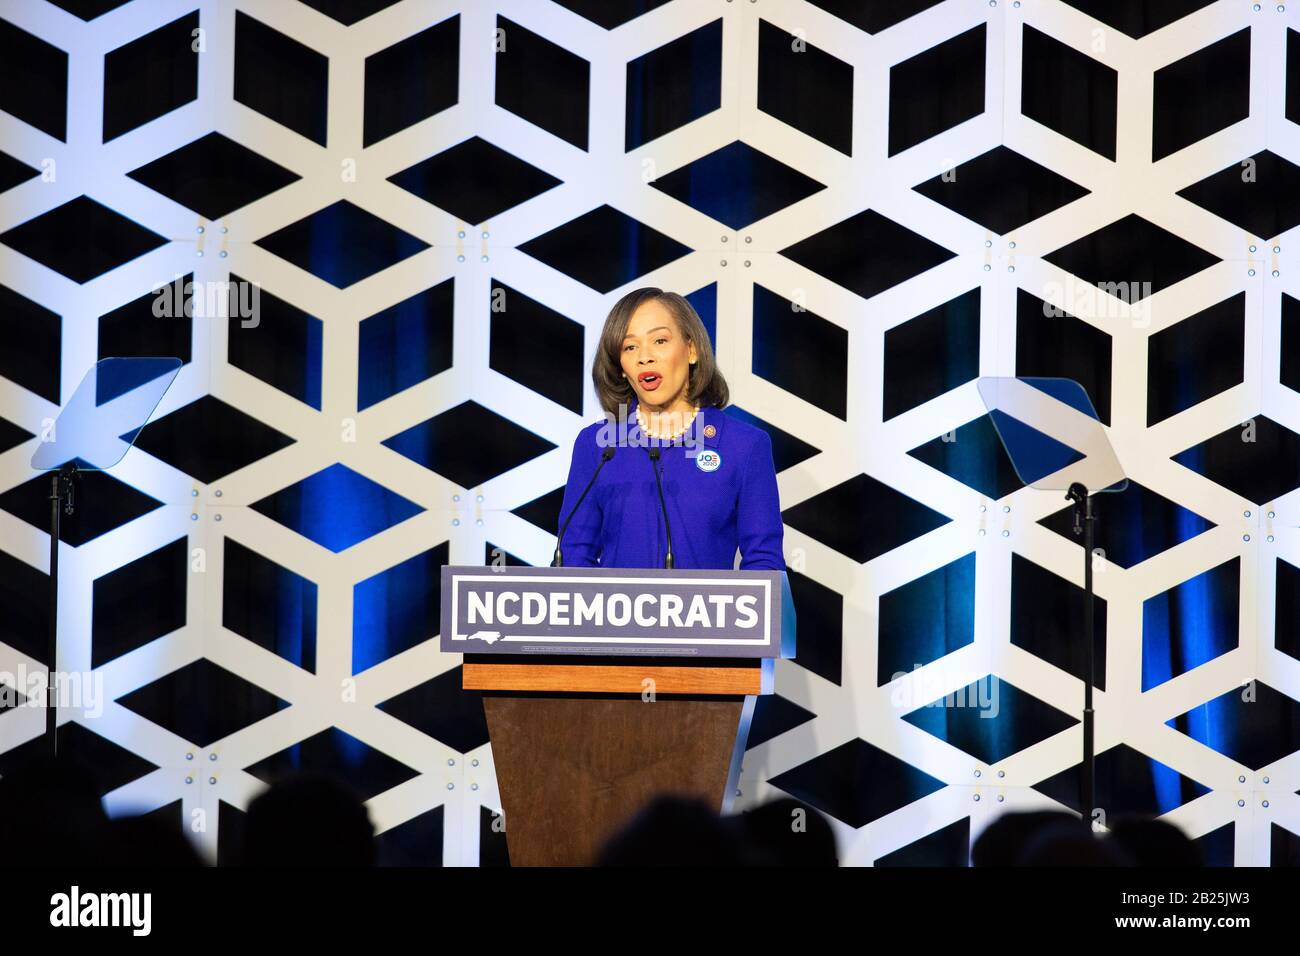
x=645, y=425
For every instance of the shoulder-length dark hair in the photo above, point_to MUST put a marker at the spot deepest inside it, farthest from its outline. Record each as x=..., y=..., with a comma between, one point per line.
x=705, y=384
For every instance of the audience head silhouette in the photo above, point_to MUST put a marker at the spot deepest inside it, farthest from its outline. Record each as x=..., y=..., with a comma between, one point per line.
x=683, y=831
x=786, y=832
x=1152, y=842
x=50, y=811
x=1060, y=838
x=1071, y=844
x=1003, y=841
x=308, y=820
x=676, y=831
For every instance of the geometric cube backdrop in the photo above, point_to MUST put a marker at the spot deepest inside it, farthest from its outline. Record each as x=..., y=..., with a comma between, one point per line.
x=870, y=204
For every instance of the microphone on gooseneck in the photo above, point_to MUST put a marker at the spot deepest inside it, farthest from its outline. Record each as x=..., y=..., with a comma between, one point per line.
x=654, y=466
x=558, y=560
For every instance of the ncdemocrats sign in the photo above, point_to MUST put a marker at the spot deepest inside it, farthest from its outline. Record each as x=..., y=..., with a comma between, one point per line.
x=524, y=610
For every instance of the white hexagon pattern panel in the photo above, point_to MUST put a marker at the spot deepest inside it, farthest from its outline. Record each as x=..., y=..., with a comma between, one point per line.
x=383, y=236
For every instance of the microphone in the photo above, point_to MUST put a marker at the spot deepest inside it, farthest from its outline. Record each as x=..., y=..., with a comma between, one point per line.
x=558, y=560
x=654, y=466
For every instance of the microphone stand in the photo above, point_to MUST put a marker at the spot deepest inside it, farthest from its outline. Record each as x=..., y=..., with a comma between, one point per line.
x=558, y=560
x=61, y=487
x=654, y=466
x=1085, y=522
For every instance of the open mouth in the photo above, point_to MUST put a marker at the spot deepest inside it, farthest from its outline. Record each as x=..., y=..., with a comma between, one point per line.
x=649, y=380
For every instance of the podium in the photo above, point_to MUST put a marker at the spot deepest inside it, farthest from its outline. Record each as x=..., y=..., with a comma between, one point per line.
x=606, y=687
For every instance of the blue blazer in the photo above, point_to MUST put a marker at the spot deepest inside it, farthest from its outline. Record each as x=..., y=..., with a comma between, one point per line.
x=712, y=511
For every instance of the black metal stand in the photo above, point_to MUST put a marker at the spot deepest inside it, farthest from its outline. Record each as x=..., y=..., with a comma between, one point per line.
x=61, y=499
x=1085, y=522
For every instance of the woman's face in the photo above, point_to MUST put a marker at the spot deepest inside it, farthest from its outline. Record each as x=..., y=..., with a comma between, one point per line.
x=657, y=358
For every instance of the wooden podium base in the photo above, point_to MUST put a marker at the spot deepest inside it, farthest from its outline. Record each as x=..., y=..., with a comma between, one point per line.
x=572, y=771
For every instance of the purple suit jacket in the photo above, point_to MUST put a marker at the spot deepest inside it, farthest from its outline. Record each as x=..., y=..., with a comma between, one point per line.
x=712, y=512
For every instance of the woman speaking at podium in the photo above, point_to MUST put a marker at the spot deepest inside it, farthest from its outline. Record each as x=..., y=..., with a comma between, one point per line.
x=667, y=465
